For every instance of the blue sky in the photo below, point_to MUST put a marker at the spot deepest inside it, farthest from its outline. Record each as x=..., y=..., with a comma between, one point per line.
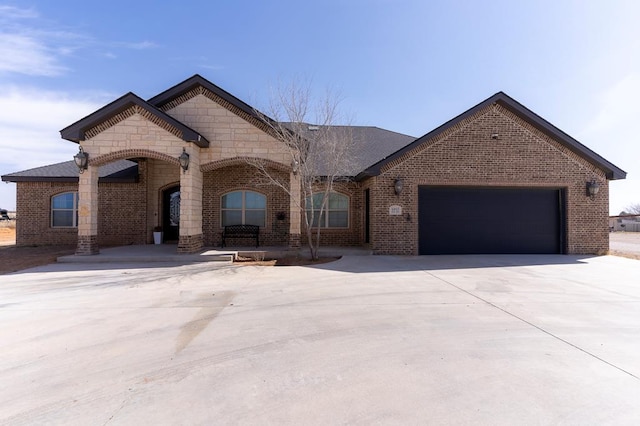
x=407, y=66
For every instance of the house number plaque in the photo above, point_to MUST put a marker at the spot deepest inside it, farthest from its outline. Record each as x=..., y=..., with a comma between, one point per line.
x=395, y=210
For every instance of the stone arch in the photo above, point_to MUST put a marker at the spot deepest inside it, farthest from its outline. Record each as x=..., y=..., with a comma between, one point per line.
x=243, y=161
x=132, y=153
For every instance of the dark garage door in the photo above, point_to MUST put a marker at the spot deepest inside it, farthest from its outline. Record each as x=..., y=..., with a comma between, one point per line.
x=455, y=220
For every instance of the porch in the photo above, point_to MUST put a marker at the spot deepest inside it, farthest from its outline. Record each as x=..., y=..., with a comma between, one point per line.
x=167, y=253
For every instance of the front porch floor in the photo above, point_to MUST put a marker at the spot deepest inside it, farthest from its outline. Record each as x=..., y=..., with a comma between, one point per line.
x=168, y=253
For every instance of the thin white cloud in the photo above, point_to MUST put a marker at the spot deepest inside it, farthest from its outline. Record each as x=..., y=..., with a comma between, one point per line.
x=142, y=45
x=11, y=12
x=25, y=55
x=30, y=45
x=30, y=126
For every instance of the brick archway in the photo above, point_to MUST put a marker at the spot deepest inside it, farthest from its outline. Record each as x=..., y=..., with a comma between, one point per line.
x=132, y=153
x=243, y=161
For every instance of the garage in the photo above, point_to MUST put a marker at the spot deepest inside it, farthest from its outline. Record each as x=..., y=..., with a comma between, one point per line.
x=481, y=220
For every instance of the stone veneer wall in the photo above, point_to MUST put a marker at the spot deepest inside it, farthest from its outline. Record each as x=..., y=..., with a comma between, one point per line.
x=161, y=175
x=466, y=155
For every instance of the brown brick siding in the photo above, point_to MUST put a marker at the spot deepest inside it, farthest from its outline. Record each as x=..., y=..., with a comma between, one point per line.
x=122, y=214
x=190, y=243
x=33, y=206
x=87, y=245
x=351, y=236
x=464, y=155
x=467, y=156
x=218, y=182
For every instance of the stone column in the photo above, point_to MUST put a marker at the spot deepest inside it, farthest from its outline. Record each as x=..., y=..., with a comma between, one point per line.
x=294, y=211
x=88, y=212
x=191, y=239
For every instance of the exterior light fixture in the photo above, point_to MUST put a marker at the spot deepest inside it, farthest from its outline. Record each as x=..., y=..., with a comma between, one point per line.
x=398, y=186
x=82, y=160
x=592, y=188
x=184, y=160
x=295, y=166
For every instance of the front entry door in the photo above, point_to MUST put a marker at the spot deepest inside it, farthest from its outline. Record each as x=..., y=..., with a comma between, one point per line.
x=171, y=214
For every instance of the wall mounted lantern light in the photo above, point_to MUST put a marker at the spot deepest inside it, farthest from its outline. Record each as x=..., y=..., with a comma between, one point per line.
x=295, y=166
x=592, y=188
x=184, y=160
x=82, y=160
x=398, y=185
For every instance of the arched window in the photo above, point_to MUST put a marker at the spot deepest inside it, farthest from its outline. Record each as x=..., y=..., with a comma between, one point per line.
x=64, y=210
x=337, y=209
x=244, y=208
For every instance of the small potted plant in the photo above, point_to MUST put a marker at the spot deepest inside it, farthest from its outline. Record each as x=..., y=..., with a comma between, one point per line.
x=157, y=235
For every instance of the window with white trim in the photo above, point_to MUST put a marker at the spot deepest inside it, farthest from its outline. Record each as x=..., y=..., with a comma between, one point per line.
x=336, y=215
x=243, y=208
x=64, y=210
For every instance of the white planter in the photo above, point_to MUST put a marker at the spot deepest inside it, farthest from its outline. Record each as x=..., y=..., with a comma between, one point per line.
x=157, y=237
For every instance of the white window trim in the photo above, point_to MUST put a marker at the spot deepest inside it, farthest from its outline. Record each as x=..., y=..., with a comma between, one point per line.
x=243, y=209
x=74, y=217
x=326, y=217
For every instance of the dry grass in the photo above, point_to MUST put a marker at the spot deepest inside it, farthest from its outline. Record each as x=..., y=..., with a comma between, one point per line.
x=623, y=254
x=8, y=224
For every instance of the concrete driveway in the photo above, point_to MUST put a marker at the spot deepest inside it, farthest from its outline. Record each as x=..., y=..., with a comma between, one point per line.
x=364, y=340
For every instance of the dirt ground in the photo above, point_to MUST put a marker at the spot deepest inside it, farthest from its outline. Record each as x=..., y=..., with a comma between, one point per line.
x=14, y=258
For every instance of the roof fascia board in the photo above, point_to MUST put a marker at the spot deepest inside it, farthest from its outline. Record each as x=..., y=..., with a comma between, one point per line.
x=193, y=82
x=612, y=172
x=76, y=131
x=198, y=81
x=69, y=179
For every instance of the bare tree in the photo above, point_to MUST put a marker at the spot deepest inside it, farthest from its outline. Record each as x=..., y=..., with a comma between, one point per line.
x=631, y=209
x=321, y=152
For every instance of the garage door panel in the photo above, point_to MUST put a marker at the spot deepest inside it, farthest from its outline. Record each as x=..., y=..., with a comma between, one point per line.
x=489, y=220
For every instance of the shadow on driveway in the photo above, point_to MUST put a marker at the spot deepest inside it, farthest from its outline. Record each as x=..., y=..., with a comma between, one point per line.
x=409, y=263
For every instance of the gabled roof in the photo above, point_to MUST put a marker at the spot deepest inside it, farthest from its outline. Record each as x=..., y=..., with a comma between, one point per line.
x=501, y=98
x=76, y=131
x=122, y=171
x=198, y=81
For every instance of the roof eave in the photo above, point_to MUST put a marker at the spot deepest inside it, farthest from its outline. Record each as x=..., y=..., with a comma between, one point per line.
x=198, y=81
x=612, y=172
x=67, y=179
x=76, y=131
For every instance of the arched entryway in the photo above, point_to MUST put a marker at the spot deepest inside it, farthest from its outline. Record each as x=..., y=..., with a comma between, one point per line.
x=171, y=214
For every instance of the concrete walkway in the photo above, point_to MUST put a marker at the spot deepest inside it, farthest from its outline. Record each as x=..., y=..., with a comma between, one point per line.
x=464, y=340
x=168, y=253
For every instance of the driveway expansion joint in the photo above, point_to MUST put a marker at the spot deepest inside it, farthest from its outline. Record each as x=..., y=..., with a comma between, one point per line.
x=532, y=325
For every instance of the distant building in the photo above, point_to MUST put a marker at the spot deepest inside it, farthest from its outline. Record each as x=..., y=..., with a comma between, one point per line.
x=627, y=223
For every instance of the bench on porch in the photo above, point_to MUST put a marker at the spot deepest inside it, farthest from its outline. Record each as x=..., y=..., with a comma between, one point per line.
x=241, y=231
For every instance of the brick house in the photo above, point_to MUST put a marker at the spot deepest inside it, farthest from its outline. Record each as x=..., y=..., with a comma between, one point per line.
x=496, y=179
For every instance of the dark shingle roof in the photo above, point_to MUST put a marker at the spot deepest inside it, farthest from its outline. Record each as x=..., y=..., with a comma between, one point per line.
x=118, y=171
x=371, y=144
x=375, y=147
